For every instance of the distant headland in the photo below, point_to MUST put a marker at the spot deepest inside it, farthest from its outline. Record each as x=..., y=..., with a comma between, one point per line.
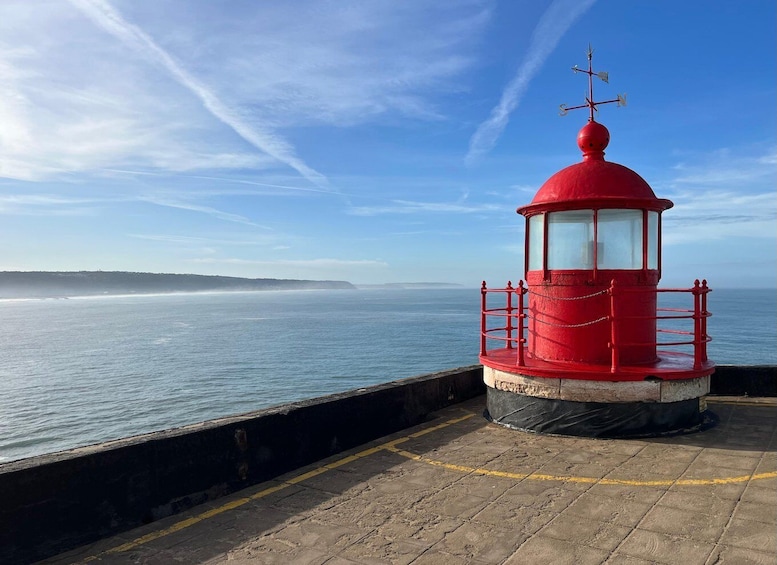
x=42, y=284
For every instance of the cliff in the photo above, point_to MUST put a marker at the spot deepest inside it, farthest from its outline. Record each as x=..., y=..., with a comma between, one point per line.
x=40, y=284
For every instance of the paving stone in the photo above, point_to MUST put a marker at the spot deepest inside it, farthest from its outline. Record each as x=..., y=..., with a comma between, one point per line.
x=315, y=534
x=421, y=475
x=628, y=447
x=432, y=557
x=664, y=548
x=338, y=560
x=759, y=492
x=263, y=550
x=549, y=550
x=403, y=478
x=336, y=482
x=700, y=468
x=741, y=459
x=607, y=509
x=684, y=523
x=540, y=495
x=564, y=469
x=305, y=501
x=374, y=464
x=453, y=502
x=768, y=462
x=619, y=558
x=520, y=463
x=362, y=513
x=700, y=501
x=480, y=541
x=668, y=453
x=377, y=549
x=485, y=486
x=303, y=557
x=644, y=470
x=642, y=494
x=740, y=556
x=593, y=456
x=748, y=534
x=471, y=456
x=416, y=524
x=503, y=514
x=593, y=533
x=762, y=511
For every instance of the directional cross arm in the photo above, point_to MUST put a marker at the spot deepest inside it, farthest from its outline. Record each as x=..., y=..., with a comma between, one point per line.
x=590, y=103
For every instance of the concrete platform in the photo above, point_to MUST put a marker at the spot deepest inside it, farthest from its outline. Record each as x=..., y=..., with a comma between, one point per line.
x=460, y=490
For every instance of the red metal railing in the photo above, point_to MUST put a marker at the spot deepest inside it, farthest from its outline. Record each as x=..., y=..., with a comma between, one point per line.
x=514, y=314
x=510, y=314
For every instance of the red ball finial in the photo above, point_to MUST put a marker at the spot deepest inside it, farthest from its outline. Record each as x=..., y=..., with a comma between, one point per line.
x=592, y=140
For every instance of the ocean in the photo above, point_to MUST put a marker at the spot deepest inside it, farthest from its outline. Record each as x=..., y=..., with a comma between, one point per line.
x=83, y=370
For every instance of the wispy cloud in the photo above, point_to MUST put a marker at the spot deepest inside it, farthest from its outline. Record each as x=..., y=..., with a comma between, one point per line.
x=208, y=241
x=187, y=205
x=553, y=24
x=725, y=167
x=412, y=207
x=47, y=205
x=104, y=15
x=284, y=188
x=710, y=215
x=721, y=195
x=220, y=90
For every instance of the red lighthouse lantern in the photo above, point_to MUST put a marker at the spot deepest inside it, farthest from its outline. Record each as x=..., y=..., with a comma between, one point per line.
x=584, y=356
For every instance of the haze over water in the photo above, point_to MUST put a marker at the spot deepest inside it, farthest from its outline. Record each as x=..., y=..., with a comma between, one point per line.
x=84, y=370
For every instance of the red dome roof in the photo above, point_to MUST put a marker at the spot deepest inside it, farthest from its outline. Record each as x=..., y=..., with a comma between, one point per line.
x=594, y=183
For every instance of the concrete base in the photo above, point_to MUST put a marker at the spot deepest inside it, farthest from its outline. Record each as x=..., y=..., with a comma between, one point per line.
x=593, y=419
x=577, y=390
x=595, y=408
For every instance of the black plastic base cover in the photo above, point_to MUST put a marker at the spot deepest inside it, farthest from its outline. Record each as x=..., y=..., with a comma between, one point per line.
x=593, y=419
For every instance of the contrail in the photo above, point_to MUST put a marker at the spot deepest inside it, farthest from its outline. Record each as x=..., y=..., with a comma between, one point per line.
x=553, y=24
x=106, y=17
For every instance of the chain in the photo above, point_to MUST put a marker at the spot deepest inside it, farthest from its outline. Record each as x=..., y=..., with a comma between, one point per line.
x=591, y=323
x=535, y=293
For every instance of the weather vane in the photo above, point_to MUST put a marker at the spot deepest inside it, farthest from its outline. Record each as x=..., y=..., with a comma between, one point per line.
x=589, y=100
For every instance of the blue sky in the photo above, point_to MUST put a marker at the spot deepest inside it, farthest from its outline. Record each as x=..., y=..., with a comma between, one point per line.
x=373, y=141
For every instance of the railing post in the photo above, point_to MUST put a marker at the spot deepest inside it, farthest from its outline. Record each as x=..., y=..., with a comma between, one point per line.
x=704, y=315
x=696, y=325
x=521, y=292
x=483, y=319
x=613, y=330
x=509, y=327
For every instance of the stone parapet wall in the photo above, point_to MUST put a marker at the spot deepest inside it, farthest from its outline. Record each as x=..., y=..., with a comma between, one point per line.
x=52, y=503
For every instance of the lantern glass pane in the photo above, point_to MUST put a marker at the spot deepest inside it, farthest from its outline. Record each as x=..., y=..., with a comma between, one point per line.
x=619, y=235
x=536, y=241
x=652, y=258
x=570, y=239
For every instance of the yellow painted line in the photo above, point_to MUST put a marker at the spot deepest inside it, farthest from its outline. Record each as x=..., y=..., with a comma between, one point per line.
x=585, y=480
x=231, y=505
